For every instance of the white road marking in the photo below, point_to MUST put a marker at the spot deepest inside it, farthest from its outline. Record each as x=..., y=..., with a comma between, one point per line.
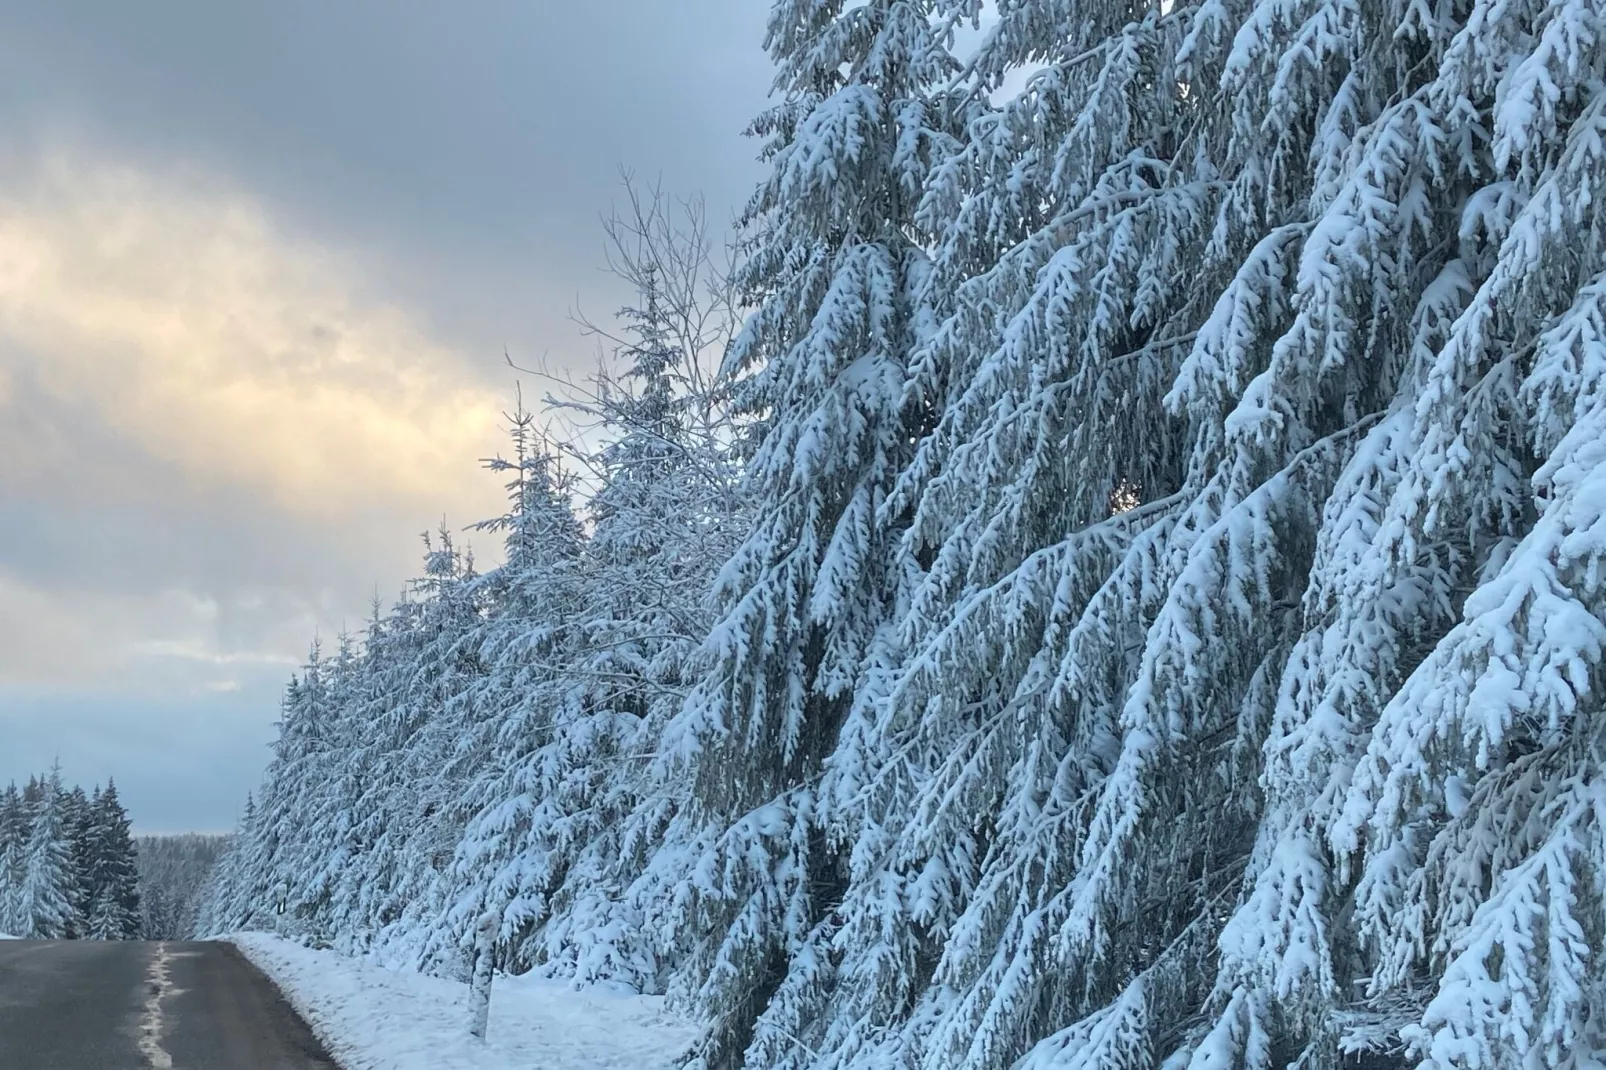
x=150, y=1026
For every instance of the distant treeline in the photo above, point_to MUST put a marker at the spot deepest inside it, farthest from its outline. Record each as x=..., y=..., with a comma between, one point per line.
x=173, y=872
x=67, y=863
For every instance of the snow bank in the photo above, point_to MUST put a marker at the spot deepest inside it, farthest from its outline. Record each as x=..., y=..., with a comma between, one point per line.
x=374, y=1018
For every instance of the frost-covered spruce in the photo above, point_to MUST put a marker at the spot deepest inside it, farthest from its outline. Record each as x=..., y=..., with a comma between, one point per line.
x=371, y=788
x=665, y=515
x=333, y=776
x=518, y=699
x=591, y=640
x=280, y=848
x=227, y=902
x=436, y=712
x=272, y=875
x=66, y=863
x=44, y=903
x=1287, y=367
x=108, y=878
x=399, y=712
x=354, y=819
x=13, y=853
x=834, y=275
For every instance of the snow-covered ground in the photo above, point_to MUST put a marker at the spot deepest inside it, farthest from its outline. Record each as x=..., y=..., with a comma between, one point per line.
x=374, y=1018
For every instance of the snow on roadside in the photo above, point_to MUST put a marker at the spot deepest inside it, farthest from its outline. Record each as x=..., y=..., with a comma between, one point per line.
x=372, y=1017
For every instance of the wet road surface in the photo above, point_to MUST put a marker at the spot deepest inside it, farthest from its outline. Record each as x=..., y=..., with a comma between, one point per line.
x=89, y=1005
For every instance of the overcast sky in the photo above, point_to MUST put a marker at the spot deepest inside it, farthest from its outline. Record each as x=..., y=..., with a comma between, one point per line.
x=258, y=266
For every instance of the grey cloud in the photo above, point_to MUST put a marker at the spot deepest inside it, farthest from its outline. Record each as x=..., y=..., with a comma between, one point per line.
x=478, y=142
x=117, y=520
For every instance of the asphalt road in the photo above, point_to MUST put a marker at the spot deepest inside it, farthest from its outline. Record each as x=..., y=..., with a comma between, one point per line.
x=86, y=1005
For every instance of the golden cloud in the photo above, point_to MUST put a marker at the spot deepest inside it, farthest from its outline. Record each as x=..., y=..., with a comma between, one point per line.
x=189, y=325
x=106, y=636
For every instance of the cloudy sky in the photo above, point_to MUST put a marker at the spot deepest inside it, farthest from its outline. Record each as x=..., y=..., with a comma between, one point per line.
x=258, y=267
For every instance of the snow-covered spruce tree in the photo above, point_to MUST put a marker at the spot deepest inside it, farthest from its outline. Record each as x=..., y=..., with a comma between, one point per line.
x=411, y=808
x=664, y=515
x=45, y=908
x=326, y=804
x=226, y=905
x=491, y=695
x=1463, y=198
x=520, y=693
x=278, y=856
x=1272, y=353
x=79, y=816
x=264, y=879
x=112, y=879
x=1063, y=222
x=1475, y=820
x=834, y=275
x=13, y=854
x=359, y=795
